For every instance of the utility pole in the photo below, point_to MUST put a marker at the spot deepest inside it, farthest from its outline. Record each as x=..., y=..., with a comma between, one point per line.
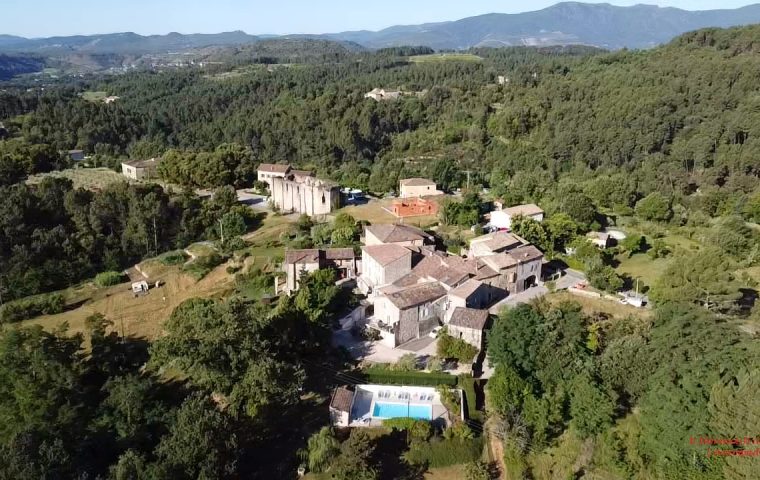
x=155, y=235
x=221, y=230
x=468, y=178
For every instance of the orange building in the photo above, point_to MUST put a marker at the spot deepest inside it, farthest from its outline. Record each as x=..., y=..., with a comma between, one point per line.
x=414, y=207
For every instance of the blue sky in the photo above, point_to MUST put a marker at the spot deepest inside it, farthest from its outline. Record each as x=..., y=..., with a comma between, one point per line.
x=36, y=18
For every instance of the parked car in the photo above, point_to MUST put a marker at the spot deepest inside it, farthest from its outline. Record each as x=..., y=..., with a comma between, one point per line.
x=434, y=333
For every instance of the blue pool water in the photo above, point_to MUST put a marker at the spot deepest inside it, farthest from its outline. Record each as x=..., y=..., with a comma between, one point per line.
x=396, y=410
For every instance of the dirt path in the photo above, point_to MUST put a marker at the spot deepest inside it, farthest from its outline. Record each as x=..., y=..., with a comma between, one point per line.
x=497, y=453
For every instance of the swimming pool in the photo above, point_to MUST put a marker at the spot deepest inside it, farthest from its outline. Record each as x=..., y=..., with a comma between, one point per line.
x=396, y=410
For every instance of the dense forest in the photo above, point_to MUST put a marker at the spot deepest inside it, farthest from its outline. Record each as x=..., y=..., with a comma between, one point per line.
x=662, y=139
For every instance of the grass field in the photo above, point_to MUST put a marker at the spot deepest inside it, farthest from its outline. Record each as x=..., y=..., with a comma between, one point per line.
x=142, y=316
x=642, y=266
x=94, y=96
x=592, y=306
x=445, y=57
x=377, y=211
x=87, y=178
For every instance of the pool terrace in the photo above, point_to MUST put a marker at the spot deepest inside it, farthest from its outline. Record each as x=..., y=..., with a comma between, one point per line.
x=374, y=403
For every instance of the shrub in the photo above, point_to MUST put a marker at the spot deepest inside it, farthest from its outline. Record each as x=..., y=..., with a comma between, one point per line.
x=384, y=376
x=407, y=363
x=202, y=266
x=439, y=453
x=108, y=279
x=31, y=307
x=477, y=471
x=434, y=364
x=177, y=257
x=417, y=430
x=450, y=347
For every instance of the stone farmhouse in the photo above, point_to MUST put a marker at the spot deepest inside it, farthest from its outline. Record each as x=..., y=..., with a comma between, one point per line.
x=415, y=289
x=298, y=262
x=267, y=171
x=141, y=169
x=380, y=94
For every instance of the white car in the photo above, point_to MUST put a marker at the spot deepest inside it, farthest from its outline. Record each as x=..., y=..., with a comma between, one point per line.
x=434, y=333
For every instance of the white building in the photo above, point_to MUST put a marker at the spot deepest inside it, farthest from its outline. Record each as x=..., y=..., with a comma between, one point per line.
x=417, y=187
x=501, y=218
x=299, y=192
x=141, y=169
x=267, y=171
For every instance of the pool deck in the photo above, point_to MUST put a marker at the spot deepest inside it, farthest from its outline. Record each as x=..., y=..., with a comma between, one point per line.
x=366, y=396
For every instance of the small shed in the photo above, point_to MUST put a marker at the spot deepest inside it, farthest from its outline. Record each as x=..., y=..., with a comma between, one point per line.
x=140, y=287
x=468, y=324
x=76, y=155
x=340, y=407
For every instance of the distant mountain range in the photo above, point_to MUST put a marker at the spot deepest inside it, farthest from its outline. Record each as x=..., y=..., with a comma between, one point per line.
x=601, y=25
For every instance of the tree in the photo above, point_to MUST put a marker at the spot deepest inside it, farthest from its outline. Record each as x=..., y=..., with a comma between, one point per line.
x=231, y=225
x=633, y=244
x=561, y=230
x=532, y=231
x=507, y=390
x=322, y=449
x=515, y=338
x=577, y=206
x=355, y=459
x=698, y=277
x=200, y=444
x=591, y=408
x=604, y=277
x=655, y=207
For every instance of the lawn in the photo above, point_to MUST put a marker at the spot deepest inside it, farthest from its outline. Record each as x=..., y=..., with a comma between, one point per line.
x=87, y=178
x=642, y=266
x=445, y=57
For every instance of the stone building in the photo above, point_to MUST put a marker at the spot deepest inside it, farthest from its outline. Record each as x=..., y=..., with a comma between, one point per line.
x=298, y=262
x=468, y=324
x=141, y=169
x=382, y=265
x=404, y=235
x=299, y=192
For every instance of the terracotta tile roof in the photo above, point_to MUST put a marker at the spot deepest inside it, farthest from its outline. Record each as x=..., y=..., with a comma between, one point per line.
x=469, y=318
x=526, y=253
x=497, y=241
x=386, y=254
x=342, y=399
x=499, y=261
x=393, y=233
x=407, y=280
x=417, y=295
x=466, y=289
x=302, y=256
x=339, y=254
x=449, y=276
x=416, y=182
x=302, y=173
x=274, y=168
x=524, y=210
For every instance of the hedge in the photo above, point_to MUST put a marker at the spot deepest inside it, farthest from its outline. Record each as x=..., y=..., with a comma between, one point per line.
x=443, y=453
x=31, y=307
x=383, y=376
x=107, y=279
x=467, y=383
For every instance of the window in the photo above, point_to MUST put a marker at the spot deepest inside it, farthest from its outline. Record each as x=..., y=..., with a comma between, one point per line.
x=323, y=199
